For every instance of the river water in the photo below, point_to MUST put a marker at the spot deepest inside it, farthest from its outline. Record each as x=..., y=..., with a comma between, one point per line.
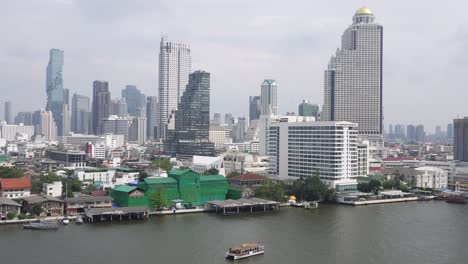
x=414, y=232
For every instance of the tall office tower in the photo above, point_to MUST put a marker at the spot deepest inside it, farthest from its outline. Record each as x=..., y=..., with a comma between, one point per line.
x=47, y=127
x=115, y=125
x=420, y=134
x=66, y=122
x=269, y=98
x=216, y=119
x=353, y=79
x=24, y=118
x=450, y=131
x=80, y=114
x=175, y=65
x=137, y=130
x=192, y=120
x=120, y=107
x=308, y=109
x=54, y=86
x=151, y=117
x=101, y=105
x=411, y=133
x=438, y=132
x=228, y=119
x=136, y=101
x=390, y=129
x=66, y=96
x=254, y=108
x=241, y=128
x=8, y=113
x=460, y=139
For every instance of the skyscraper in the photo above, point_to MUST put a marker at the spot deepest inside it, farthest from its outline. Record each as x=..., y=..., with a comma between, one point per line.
x=254, y=108
x=411, y=133
x=66, y=96
x=269, y=98
x=308, y=109
x=8, y=113
x=216, y=119
x=101, y=105
x=450, y=131
x=24, y=118
x=47, y=127
x=120, y=107
x=80, y=118
x=460, y=139
x=66, y=122
x=151, y=116
x=54, y=86
x=137, y=132
x=175, y=64
x=136, y=101
x=420, y=134
x=192, y=120
x=353, y=79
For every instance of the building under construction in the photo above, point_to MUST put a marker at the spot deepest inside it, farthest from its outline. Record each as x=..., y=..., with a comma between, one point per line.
x=194, y=189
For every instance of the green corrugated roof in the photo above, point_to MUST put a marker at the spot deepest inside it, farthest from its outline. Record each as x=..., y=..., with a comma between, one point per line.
x=179, y=172
x=212, y=178
x=160, y=180
x=124, y=188
x=3, y=157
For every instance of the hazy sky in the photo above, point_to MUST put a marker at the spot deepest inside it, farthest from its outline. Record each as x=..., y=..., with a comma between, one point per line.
x=241, y=42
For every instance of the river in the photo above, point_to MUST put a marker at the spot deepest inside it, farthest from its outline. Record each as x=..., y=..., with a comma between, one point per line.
x=414, y=232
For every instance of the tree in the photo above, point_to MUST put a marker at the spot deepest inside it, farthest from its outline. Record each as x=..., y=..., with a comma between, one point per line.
x=272, y=191
x=36, y=209
x=164, y=164
x=403, y=187
x=10, y=215
x=211, y=171
x=232, y=174
x=142, y=176
x=158, y=199
x=374, y=186
x=312, y=189
x=363, y=187
x=7, y=172
x=89, y=188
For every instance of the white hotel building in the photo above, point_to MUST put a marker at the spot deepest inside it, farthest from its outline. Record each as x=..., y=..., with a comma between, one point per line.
x=302, y=148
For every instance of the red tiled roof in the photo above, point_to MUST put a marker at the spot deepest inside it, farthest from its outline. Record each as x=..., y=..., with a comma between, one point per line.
x=377, y=169
x=16, y=183
x=98, y=193
x=248, y=177
x=398, y=158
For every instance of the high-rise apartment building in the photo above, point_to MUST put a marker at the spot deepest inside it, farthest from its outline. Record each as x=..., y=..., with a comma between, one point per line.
x=136, y=101
x=269, y=97
x=137, y=132
x=115, y=125
x=175, y=65
x=255, y=108
x=8, y=114
x=151, y=117
x=216, y=119
x=192, y=120
x=420, y=134
x=460, y=139
x=47, y=127
x=54, y=86
x=353, y=79
x=101, y=105
x=80, y=116
x=308, y=109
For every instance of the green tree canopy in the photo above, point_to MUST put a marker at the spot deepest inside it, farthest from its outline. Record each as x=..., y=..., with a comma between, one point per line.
x=232, y=174
x=6, y=172
x=374, y=186
x=164, y=164
x=158, y=199
x=272, y=191
x=36, y=209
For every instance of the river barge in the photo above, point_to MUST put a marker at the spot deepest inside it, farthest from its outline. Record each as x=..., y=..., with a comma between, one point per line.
x=245, y=251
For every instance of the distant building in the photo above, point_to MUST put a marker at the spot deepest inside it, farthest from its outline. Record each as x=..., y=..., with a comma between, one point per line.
x=54, y=87
x=200, y=164
x=151, y=117
x=308, y=109
x=66, y=120
x=52, y=189
x=137, y=131
x=101, y=105
x=115, y=125
x=69, y=158
x=80, y=114
x=8, y=113
x=47, y=126
x=255, y=108
x=216, y=119
x=136, y=101
x=431, y=177
x=192, y=120
x=219, y=136
x=8, y=205
x=9, y=132
x=420, y=134
x=269, y=97
x=24, y=118
x=460, y=142
x=120, y=107
x=78, y=139
x=175, y=64
x=450, y=132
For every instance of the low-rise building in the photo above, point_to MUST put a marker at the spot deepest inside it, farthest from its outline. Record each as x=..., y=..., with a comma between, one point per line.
x=52, y=189
x=247, y=180
x=8, y=206
x=15, y=188
x=201, y=164
x=51, y=206
x=431, y=177
x=78, y=205
x=68, y=158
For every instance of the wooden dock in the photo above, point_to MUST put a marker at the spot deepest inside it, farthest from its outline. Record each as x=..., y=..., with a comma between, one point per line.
x=93, y=215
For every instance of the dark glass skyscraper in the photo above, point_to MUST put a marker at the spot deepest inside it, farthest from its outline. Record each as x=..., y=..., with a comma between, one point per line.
x=8, y=113
x=151, y=116
x=192, y=120
x=101, y=105
x=308, y=109
x=136, y=101
x=460, y=139
x=80, y=114
x=54, y=86
x=254, y=107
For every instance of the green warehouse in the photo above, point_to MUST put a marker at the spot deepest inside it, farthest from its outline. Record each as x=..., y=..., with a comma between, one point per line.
x=185, y=185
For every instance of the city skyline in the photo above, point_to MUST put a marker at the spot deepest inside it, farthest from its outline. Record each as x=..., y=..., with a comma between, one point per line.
x=315, y=37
